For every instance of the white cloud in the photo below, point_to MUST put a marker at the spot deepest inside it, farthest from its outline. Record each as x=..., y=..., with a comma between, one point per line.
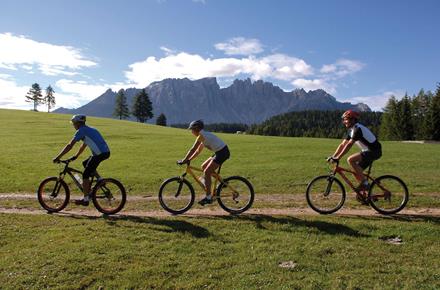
x=76, y=93
x=240, y=46
x=314, y=84
x=342, y=68
x=12, y=96
x=193, y=66
x=377, y=102
x=199, y=1
x=50, y=59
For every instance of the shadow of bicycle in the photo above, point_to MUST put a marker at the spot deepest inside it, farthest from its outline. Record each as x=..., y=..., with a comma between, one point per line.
x=171, y=226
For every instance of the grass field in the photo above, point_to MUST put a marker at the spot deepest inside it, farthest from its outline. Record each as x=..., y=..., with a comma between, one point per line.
x=218, y=252
x=144, y=155
x=76, y=251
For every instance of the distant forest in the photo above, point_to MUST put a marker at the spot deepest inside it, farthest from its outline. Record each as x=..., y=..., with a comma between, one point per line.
x=414, y=117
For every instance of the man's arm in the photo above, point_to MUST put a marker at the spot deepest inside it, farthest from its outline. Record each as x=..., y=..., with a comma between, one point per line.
x=194, y=151
x=66, y=149
x=81, y=149
x=346, y=146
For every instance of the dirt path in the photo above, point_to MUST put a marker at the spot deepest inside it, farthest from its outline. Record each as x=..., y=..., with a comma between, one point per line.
x=212, y=210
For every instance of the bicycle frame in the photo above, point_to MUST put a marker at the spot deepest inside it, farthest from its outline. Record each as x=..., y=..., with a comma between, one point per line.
x=71, y=171
x=217, y=178
x=340, y=170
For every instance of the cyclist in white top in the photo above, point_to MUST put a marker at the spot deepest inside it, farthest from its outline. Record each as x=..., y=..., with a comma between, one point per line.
x=213, y=143
x=360, y=135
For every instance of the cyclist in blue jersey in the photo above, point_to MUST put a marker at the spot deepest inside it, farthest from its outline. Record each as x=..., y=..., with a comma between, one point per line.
x=360, y=135
x=96, y=143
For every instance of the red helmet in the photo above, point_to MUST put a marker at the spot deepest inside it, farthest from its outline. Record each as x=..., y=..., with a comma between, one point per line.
x=350, y=114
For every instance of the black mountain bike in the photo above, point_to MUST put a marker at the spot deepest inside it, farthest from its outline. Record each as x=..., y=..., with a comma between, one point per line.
x=108, y=194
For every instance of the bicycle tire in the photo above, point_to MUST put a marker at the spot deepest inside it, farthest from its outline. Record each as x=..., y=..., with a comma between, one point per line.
x=166, y=200
x=43, y=197
x=388, y=180
x=244, y=184
x=328, y=181
x=98, y=200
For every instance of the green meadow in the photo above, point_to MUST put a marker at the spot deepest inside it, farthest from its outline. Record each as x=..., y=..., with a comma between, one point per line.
x=144, y=155
x=75, y=251
x=243, y=252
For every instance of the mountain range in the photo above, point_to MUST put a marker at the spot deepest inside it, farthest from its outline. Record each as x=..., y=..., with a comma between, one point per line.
x=244, y=101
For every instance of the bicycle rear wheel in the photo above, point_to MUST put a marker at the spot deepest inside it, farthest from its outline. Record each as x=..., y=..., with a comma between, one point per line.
x=325, y=194
x=53, y=194
x=176, y=195
x=235, y=194
x=109, y=196
x=388, y=194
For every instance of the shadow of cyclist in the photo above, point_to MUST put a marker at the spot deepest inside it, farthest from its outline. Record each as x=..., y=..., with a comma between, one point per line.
x=326, y=227
x=179, y=226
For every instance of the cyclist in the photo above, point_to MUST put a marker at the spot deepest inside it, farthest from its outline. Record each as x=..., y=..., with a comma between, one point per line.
x=370, y=147
x=213, y=143
x=100, y=152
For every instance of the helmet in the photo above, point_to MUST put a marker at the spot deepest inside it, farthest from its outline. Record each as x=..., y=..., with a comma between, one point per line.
x=78, y=118
x=198, y=124
x=350, y=114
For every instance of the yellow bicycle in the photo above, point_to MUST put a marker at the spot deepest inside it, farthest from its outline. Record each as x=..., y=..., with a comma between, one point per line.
x=234, y=194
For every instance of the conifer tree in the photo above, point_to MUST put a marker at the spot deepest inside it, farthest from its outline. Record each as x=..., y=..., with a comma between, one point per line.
x=142, y=107
x=121, y=108
x=161, y=120
x=34, y=96
x=49, y=99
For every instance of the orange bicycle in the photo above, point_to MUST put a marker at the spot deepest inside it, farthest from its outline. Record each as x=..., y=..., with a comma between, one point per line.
x=387, y=194
x=234, y=194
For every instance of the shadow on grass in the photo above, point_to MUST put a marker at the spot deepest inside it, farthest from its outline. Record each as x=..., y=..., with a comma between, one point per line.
x=173, y=226
x=326, y=227
x=400, y=217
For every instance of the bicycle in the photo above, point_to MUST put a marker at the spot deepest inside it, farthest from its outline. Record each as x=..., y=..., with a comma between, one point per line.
x=234, y=194
x=387, y=194
x=108, y=194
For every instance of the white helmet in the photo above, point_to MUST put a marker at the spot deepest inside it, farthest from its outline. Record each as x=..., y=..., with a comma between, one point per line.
x=78, y=118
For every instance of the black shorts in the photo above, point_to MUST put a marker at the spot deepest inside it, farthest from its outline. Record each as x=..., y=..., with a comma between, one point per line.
x=368, y=157
x=222, y=155
x=91, y=163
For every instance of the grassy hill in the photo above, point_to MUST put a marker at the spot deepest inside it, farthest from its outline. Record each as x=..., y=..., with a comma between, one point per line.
x=215, y=252
x=144, y=155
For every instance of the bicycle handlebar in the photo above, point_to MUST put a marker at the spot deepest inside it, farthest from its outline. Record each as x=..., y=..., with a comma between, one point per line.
x=178, y=162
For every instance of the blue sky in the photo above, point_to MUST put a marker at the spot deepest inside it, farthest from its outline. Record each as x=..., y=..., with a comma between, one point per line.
x=359, y=51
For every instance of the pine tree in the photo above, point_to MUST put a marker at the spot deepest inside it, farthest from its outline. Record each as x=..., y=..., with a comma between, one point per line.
x=142, y=107
x=34, y=96
x=121, y=109
x=49, y=99
x=161, y=120
x=406, y=130
x=434, y=115
x=390, y=120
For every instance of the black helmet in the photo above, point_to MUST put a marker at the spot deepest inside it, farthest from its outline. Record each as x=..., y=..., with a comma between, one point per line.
x=198, y=124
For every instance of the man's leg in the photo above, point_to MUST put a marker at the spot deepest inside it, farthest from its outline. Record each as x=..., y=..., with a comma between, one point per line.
x=208, y=171
x=354, y=161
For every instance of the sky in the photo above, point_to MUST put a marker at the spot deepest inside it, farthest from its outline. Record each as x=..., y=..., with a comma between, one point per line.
x=358, y=51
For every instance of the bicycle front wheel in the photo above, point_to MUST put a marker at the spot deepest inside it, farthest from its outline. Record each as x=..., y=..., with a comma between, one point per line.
x=235, y=194
x=325, y=194
x=53, y=194
x=388, y=194
x=109, y=196
x=176, y=195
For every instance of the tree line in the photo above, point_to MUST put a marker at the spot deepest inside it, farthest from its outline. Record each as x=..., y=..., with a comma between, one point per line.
x=414, y=117
x=320, y=124
x=35, y=96
x=219, y=127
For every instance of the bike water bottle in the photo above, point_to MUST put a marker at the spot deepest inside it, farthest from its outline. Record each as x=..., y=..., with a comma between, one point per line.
x=78, y=178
